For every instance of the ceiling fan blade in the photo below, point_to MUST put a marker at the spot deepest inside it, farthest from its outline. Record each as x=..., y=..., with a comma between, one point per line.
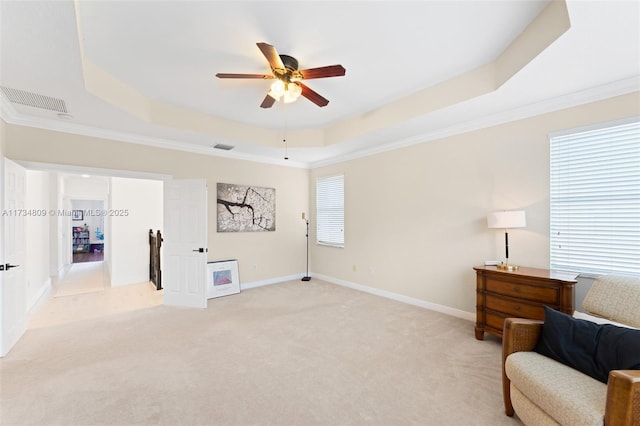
x=313, y=96
x=271, y=54
x=267, y=102
x=227, y=75
x=322, y=72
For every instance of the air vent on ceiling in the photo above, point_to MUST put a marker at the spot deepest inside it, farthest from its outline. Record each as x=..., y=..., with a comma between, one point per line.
x=35, y=100
x=223, y=146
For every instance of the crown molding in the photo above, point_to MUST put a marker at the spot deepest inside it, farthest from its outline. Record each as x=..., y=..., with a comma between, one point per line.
x=606, y=91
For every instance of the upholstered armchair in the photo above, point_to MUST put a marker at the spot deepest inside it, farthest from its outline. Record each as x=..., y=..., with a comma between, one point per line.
x=622, y=392
x=543, y=391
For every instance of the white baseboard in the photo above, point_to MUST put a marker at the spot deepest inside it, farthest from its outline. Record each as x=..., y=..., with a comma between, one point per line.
x=469, y=316
x=400, y=298
x=62, y=271
x=276, y=280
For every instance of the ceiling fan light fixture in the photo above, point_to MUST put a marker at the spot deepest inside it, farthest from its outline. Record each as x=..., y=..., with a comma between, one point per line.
x=295, y=89
x=277, y=89
x=289, y=92
x=292, y=92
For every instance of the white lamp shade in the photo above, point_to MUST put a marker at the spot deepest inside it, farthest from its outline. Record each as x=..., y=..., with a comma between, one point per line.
x=277, y=89
x=295, y=89
x=507, y=220
x=292, y=92
x=288, y=97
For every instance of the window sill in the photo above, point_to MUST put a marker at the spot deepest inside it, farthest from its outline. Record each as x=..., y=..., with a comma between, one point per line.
x=330, y=245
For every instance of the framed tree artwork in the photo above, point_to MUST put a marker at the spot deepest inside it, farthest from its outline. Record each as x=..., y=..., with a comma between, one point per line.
x=242, y=208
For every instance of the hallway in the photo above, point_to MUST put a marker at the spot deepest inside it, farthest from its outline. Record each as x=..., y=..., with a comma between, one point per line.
x=81, y=278
x=85, y=292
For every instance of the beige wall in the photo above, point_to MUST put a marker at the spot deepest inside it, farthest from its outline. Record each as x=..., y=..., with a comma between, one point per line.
x=415, y=218
x=262, y=256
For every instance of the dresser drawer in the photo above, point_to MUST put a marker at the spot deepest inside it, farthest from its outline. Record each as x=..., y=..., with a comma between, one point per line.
x=548, y=295
x=514, y=308
x=495, y=320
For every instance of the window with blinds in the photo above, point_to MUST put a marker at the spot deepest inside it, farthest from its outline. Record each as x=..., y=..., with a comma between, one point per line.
x=595, y=200
x=330, y=210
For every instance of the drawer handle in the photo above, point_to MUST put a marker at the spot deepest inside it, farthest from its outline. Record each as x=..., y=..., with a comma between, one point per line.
x=517, y=308
x=516, y=289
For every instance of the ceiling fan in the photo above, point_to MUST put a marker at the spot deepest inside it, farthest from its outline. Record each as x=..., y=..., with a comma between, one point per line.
x=288, y=78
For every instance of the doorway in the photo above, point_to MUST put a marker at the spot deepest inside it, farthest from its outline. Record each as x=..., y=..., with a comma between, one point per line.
x=87, y=234
x=48, y=258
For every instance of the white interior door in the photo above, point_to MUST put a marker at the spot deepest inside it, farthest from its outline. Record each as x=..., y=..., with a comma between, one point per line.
x=184, y=246
x=12, y=256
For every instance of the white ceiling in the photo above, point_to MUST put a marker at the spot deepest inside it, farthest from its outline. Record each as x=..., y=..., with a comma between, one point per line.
x=169, y=51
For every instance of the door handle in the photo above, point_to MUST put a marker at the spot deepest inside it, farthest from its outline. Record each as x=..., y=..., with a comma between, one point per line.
x=7, y=266
x=201, y=250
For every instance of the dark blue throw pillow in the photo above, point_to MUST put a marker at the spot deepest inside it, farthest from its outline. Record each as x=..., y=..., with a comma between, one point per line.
x=594, y=349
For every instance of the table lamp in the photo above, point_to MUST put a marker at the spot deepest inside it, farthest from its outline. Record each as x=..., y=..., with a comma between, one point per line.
x=507, y=220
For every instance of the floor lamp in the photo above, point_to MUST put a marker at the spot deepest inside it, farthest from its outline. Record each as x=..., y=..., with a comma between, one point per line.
x=506, y=221
x=306, y=277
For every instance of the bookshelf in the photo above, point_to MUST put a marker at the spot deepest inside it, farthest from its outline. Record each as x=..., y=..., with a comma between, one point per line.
x=81, y=242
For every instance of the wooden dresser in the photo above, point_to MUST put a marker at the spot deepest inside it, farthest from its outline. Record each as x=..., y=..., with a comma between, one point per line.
x=523, y=293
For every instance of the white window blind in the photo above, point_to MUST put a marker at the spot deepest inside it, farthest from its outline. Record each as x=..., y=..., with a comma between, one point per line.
x=595, y=200
x=330, y=210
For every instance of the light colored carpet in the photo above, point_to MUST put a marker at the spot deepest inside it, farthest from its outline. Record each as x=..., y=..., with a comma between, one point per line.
x=81, y=278
x=94, y=305
x=286, y=354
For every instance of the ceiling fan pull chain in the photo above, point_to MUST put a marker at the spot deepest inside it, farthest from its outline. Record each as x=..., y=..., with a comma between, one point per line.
x=284, y=138
x=286, y=156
